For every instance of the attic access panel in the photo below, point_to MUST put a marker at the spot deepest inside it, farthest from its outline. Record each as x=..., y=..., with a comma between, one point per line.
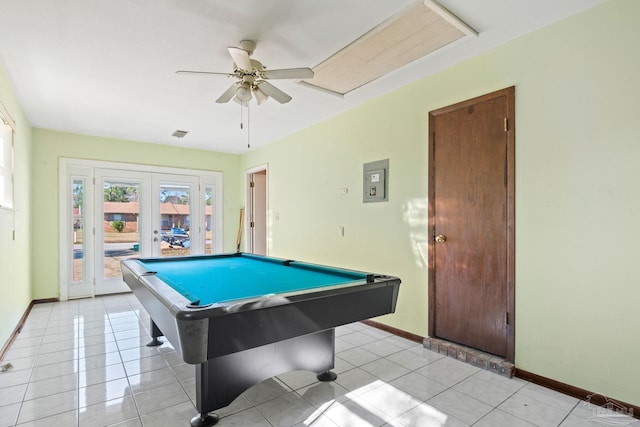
x=416, y=31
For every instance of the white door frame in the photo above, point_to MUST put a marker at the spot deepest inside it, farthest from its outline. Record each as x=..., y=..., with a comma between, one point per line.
x=70, y=168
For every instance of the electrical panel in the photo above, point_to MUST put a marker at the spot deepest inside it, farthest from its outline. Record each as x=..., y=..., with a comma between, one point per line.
x=375, y=179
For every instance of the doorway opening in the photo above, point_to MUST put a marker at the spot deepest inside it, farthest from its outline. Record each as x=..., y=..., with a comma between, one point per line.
x=256, y=212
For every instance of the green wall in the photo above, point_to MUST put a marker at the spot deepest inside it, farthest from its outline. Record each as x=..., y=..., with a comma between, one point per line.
x=577, y=193
x=15, y=289
x=49, y=146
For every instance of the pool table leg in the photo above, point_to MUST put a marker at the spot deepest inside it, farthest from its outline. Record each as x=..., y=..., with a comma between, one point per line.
x=155, y=333
x=327, y=376
x=204, y=420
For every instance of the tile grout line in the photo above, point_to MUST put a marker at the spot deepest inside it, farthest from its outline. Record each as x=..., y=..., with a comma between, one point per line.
x=447, y=388
x=133, y=399
x=17, y=418
x=77, y=329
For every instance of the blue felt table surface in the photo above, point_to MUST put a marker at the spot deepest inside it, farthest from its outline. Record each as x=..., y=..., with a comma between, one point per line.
x=222, y=279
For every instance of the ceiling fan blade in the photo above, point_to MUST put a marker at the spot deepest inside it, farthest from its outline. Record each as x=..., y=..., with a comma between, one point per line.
x=260, y=95
x=204, y=73
x=228, y=94
x=274, y=92
x=240, y=58
x=288, y=73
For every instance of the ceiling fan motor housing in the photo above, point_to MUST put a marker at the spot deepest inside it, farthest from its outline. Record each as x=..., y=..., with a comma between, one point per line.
x=247, y=45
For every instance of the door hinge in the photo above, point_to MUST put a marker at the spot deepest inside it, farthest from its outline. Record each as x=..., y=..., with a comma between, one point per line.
x=506, y=124
x=506, y=318
x=252, y=184
x=251, y=224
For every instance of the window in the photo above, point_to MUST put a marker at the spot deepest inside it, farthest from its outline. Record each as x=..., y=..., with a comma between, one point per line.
x=78, y=263
x=209, y=201
x=6, y=163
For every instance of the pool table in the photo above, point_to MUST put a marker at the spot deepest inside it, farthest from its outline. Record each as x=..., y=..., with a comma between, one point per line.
x=243, y=318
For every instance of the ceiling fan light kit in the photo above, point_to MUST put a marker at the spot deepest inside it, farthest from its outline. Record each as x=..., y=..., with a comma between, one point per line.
x=243, y=92
x=251, y=77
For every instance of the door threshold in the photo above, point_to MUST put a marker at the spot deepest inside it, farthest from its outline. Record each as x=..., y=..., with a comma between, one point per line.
x=470, y=356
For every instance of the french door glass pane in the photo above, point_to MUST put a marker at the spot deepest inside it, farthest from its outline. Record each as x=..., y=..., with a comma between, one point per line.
x=120, y=224
x=208, y=219
x=175, y=219
x=78, y=264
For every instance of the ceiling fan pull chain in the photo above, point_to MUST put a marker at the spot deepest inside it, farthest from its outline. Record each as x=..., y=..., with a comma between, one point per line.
x=248, y=126
x=241, y=125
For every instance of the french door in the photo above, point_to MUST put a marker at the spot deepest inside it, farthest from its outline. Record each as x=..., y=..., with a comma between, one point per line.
x=122, y=213
x=117, y=213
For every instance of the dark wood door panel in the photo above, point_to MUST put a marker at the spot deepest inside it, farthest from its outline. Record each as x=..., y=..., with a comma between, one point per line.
x=469, y=205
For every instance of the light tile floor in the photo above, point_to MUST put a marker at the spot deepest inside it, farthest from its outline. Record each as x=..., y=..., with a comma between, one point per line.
x=84, y=363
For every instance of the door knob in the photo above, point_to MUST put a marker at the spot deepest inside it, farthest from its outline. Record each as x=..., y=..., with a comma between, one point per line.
x=440, y=238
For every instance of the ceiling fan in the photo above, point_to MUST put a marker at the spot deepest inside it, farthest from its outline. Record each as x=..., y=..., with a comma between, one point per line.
x=252, y=77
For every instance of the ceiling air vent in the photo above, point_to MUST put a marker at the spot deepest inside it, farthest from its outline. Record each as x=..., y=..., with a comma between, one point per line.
x=179, y=133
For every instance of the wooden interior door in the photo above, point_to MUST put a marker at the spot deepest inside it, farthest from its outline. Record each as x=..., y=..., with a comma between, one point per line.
x=471, y=215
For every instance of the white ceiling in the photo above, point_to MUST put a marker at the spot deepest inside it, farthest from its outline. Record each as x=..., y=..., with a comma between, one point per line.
x=107, y=68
